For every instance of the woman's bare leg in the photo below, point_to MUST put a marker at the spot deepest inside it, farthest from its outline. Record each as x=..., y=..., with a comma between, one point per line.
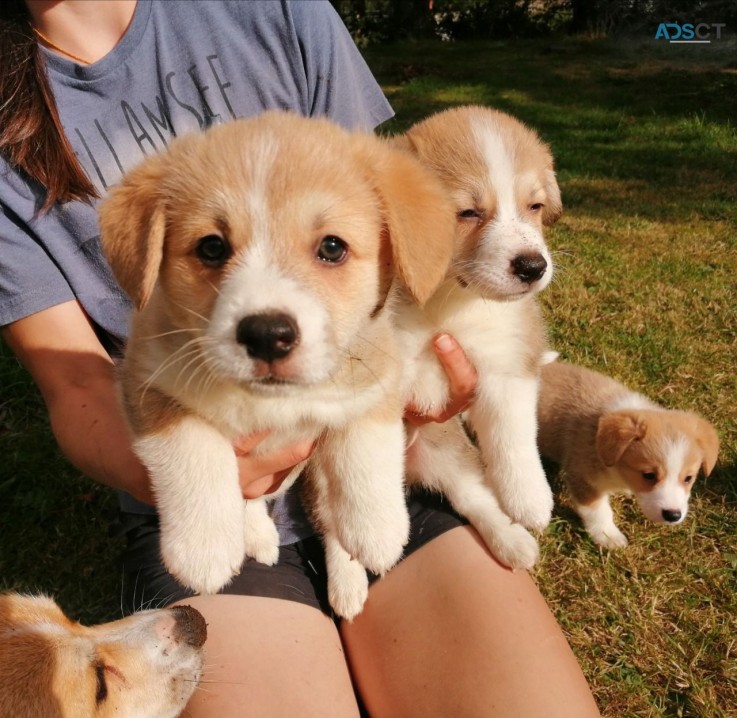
x=269, y=657
x=450, y=632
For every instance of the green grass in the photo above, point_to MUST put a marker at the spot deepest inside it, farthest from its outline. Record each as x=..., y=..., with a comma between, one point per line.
x=646, y=290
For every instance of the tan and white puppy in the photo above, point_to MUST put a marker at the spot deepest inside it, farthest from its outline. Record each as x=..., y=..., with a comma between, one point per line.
x=145, y=666
x=261, y=257
x=500, y=180
x=609, y=439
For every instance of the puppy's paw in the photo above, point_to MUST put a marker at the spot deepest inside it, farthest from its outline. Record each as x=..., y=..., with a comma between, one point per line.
x=204, y=563
x=348, y=589
x=525, y=495
x=533, y=512
x=261, y=536
x=609, y=537
x=378, y=544
x=513, y=546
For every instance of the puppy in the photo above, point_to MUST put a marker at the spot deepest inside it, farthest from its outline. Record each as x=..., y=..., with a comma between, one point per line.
x=144, y=666
x=610, y=440
x=261, y=256
x=500, y=180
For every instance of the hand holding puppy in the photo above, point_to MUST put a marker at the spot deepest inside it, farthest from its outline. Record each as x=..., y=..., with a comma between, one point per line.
x=462, y=378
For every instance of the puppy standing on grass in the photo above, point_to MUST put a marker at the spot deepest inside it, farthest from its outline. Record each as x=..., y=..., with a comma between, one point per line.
x=145, y=666
x=499, y=178
x=611, y=440
x=262, y=256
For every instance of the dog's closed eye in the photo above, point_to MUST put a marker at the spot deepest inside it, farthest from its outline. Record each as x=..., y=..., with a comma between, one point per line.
x=100, y=682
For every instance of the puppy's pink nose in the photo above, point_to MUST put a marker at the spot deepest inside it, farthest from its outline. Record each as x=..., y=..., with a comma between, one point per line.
x=528, y=268
x=267, y=336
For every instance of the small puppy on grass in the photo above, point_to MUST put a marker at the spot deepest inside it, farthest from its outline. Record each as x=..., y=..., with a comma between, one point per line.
x=263, y=257
x=609, y=440
x=145, y=666
x=499, y=178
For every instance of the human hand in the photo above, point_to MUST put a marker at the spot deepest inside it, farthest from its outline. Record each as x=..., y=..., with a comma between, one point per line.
x=462, y=380
x=263, y=474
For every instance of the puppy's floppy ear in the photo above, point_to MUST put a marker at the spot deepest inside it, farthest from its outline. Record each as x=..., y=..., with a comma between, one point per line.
x=708, y=441
x=554, y=204
x=132, y=226
x=419, y=218
x=616, y=431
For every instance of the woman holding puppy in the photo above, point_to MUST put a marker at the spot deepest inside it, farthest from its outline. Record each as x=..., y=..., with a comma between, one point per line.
x=95, y=87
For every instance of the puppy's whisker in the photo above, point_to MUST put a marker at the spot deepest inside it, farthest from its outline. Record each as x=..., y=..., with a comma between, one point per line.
x=173, y=331
x=204, y=320
x=182, y=353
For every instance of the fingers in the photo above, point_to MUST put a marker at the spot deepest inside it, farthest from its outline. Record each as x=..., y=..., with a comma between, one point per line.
x=263, y=474
x=462, y=380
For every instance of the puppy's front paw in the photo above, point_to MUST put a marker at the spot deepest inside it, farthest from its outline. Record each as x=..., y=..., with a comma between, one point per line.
x=513, y=546
x=609, y=537
x=261, y=535
x=203, y=562
x=377, y=541
x=525, y=494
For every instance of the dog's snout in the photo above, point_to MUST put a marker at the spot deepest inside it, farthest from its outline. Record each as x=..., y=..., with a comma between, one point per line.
x=267, y=336
x=671, y=515
x=528, y=268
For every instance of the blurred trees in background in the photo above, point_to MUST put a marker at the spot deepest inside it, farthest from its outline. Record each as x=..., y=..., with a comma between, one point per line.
x=377, y=21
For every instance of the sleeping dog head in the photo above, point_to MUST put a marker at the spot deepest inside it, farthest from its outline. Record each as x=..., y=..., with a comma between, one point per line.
x=274, y=241
x=500, y=179
x=144, y=666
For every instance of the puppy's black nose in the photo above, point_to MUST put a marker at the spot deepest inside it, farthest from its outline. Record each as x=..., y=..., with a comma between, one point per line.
x=190, y=626
x=671, y=515
x=267, y=336
x=528, y=268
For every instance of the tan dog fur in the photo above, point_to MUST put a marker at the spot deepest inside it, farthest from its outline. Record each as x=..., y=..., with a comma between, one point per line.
x=144, y=666
x=609, y=439
x=276, y=188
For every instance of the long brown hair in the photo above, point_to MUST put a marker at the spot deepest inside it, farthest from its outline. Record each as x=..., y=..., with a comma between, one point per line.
x=31, y=135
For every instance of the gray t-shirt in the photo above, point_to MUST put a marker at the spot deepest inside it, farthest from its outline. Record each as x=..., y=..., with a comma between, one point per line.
x=180, y=67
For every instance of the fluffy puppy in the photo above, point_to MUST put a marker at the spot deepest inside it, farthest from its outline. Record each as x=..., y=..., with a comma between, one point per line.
x=499, y=178
x=144, y=666
x=609, y=439
x=261, y=257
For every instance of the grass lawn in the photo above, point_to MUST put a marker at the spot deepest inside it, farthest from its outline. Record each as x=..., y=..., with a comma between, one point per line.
x=646, y=290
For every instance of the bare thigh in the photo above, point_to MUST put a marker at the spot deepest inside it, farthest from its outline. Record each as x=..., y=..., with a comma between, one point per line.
x=450, y=632
x=270, y=657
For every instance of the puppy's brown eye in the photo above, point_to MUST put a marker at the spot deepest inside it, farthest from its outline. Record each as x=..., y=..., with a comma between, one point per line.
x=649, y=476
x=536, y=207
x=101, y=683
x=688, y=479
x=213, y=250
x=332, y=249
x=469, y=214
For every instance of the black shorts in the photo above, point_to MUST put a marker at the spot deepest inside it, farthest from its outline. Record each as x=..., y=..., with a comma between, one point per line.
x=300, y=574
